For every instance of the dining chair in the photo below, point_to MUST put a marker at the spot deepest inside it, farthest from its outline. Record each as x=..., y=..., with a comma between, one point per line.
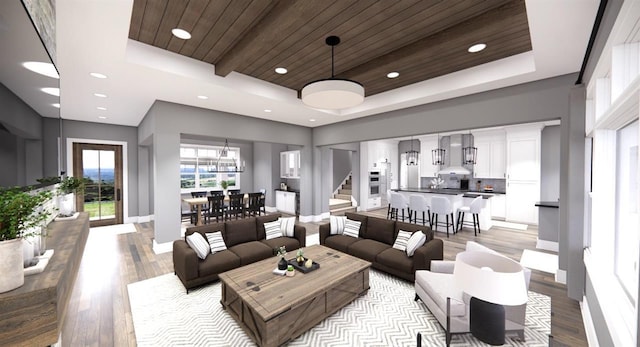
x=217, y=192
x=216, y=208
x=262, y=207
x=253, y=208
x=194, y=208
x=234, y=191
x=236, y=206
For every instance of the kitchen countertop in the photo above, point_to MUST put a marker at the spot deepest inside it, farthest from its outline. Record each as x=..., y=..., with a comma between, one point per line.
x=448, y=191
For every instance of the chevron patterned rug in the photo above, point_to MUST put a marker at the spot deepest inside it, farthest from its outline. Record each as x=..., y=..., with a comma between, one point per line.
x=164, y=315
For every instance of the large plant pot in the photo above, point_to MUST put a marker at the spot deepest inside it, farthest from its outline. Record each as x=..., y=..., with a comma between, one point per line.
x=66, y=204
x=11, y=265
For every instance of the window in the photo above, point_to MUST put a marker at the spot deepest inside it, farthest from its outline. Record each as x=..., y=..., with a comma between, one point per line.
x=627, y=238
x=197, y=163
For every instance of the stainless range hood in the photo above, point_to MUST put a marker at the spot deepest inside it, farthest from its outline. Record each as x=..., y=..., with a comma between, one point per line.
x=454, y=154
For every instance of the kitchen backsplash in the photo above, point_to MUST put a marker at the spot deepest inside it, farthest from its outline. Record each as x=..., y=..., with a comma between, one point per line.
x=453, y=181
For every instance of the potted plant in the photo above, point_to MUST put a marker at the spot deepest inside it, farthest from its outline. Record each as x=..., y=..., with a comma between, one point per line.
x=68, y=188
x=224, y=184
x=20, y=215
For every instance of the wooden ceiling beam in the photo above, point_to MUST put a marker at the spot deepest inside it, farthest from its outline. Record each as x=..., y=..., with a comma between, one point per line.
x=457, y=38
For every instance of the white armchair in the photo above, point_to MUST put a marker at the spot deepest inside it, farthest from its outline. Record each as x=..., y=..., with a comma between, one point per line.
x=438, y=291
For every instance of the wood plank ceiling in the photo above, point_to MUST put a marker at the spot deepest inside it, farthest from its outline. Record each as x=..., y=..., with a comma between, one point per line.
x=418, y=39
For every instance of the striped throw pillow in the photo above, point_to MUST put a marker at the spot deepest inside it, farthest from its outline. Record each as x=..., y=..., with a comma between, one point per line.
x=351, y=228
x=337, y=224
x=401, y=240
x=199, y=245
x=286, y=226
x=415, y=241
x=272, y=230
x=216, y=242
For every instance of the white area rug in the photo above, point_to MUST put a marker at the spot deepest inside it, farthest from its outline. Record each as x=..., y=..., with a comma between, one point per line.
x=509, y=225
x=539, y=261
x=115, y=229
x=164, y=315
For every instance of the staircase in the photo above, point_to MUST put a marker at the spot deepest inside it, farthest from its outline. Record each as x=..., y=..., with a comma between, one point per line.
x=341, y=201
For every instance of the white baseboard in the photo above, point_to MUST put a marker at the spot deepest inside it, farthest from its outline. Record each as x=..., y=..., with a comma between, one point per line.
x=270, y=209
x=547, y=245
x=138, y=219
x=561, y=276
x=165, y=247
x=314, y=218
x=589, y=327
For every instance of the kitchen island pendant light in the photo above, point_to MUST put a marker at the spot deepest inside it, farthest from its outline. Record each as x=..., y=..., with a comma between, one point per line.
x=469, y=153
x=412, y=155
x=332, y=93
x=437, y=155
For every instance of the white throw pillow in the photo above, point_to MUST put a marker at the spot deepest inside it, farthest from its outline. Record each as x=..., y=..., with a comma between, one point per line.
x=351, y=228
x=402, y=240
x=337, y=224
x=216, y=242
x=197, y=242
x=272, y=230
x=415, y=241
x=286, y=226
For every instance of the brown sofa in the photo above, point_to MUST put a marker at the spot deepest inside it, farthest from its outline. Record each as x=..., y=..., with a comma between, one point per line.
x=245, y=241
x=375, y=244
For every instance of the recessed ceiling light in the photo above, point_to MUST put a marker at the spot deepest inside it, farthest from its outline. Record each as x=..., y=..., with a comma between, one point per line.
x=98, y=75
x=102, y=117
x=267, y=110
x=393, y=74
x=100, y=95
x=477, y=47
x=281, y=70
x=57, y=105
x=203, y=97
x=181, y=33
x=46, y=69
x=312, y=120
x=51, y=91
x=101, y=108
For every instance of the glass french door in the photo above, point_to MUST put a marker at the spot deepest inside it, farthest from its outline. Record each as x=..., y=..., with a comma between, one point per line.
x=101, y=167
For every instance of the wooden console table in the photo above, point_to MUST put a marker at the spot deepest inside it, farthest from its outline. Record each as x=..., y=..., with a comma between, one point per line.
x=33, y=314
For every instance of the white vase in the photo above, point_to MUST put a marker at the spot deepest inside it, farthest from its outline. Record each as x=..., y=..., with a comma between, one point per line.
x=11, y=265
x=66, y=204
x=27, y=251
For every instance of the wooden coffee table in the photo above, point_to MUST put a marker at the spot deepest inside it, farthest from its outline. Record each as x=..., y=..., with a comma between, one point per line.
x=274, y=309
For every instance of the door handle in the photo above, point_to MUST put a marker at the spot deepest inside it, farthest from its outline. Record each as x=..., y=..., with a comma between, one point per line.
x=118, y=194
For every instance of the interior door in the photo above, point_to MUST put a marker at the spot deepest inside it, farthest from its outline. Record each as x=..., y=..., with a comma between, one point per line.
x=101, y=167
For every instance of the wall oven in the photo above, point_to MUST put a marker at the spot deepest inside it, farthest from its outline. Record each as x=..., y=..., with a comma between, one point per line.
x=374, y=183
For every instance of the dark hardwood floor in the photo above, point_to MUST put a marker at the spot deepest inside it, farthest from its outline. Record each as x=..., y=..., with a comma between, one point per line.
x=99, y=313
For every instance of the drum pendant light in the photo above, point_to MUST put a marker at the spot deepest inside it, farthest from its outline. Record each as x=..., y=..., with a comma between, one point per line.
x=332, y=93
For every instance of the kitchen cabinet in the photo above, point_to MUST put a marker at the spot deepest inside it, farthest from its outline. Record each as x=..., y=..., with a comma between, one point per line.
x=523, y=173
x=374, y=203
x=491, y=155
x=290, y=164
x=428, y=144
x=286, y=202
x=498, y=206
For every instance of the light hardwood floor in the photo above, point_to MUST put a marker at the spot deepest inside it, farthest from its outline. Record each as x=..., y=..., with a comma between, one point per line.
x=99, y=313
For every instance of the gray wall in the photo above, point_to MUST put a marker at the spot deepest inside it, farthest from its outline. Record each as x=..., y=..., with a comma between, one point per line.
x=550, y=164
x=165, y=122
x=21, y=143
x=341, y=166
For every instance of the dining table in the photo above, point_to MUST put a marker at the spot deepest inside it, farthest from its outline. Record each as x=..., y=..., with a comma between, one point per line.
x=198, y=202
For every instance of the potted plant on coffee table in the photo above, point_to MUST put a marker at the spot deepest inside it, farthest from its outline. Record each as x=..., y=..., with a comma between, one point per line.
x=68, y=188
x=19, y=215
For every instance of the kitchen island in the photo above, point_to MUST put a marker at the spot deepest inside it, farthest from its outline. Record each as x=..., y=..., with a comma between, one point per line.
x=458, y=198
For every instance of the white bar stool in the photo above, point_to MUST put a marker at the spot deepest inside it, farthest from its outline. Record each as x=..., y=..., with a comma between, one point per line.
x=418, y=203
x=474, y=208
x=398, y=203
x=440, y=205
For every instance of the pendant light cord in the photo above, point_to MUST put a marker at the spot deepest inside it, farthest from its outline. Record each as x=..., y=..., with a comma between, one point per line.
x=332, y=68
